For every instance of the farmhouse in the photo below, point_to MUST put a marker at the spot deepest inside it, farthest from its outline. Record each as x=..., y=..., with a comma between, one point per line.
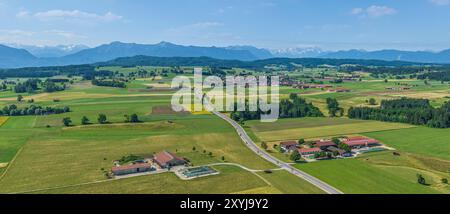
x=167, y=159
x=324, y=144
x=309, y=152
x=131, y=169
x=288, y=146
x=359, y=142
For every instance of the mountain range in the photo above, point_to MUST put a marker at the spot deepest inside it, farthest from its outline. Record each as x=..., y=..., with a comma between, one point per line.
x=26, y=56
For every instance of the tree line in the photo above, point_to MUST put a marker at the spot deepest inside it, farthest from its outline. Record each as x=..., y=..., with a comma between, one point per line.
x=405, y=110
x=31, y=85
x=13, y=110
x=293, y=107
x=109, y=83
x=101, y=119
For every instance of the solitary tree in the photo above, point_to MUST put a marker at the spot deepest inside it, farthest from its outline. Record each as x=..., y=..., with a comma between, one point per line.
x=19, y=98
x=372, y=101
x=295, y=156
x=264, y=145
x=134, y=118
x=127, y=118
x=102, y=119
x=193, y=148
x=223, y=158
x=67, y=121
x=444, y=180
x=84, y=120
x=301, y=141
x=421, y=179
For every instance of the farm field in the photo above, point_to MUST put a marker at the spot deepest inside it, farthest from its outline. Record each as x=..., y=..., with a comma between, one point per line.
x=169, y=183
x=420, y=140
x=74, y=159
x=287, y=183
x=294, y=129
x=77, y=154
x=358, y=176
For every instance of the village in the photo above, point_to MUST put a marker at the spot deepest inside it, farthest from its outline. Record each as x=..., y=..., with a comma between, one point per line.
x=326, y=149
x=164, y=161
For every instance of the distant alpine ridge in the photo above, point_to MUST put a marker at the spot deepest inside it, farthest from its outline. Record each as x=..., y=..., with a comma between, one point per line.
x=14, y=56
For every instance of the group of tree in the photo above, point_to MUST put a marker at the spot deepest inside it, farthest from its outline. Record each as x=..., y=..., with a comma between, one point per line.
x=109, y=83
x=294, y=107
x=3, y=87
x=13, y=110
x=29, y=86
x=50, y=86
x=440, y=76
x=132, y=119
x=405, y=110
x=333, y=108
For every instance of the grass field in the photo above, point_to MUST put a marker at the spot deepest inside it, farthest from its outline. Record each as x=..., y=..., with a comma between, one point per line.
x=57, y=159
x=356, y=176
x=294, y=129
x=76, y=155
x=287, y=183
x=169, y=183
x=3, y=120
x=421, y=140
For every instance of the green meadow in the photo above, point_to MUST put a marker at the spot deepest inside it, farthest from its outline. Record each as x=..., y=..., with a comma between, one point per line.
x=38, y=154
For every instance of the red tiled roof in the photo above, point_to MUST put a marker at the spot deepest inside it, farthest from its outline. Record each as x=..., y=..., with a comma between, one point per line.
x=361, y=142
x=163, y=157
x=357, y=138
x=325, y=143
x=311, y=150
x=128, y=167
x=289, y=143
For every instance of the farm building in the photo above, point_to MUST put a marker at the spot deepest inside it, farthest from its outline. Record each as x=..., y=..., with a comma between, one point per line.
x=359, y=142
x=288, y=146
x=309, y=152
x=167, y=159
x=130, y=169
x=341, y=152
x=325, y=144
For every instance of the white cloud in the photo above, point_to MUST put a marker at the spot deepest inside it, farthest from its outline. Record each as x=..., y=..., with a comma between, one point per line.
x=17, y=33
x=357, y=11
x=440, y=2
x=69, y=15
x=377, y=11
x=373, y=11
x=65, y=34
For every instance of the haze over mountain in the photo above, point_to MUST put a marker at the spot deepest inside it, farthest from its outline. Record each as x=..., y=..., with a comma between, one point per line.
x=50, y=51
x=13, y=57
x=79, y=54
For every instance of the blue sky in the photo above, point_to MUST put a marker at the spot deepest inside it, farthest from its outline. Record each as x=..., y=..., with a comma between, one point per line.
x=328, y=24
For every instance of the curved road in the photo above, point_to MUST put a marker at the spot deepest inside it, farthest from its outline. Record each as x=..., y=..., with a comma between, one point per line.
x=249, y=142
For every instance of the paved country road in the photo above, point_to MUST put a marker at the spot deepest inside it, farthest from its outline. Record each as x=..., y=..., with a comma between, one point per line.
x=249, y=142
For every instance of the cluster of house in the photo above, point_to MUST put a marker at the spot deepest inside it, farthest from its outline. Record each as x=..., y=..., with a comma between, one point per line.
x=161, y=160
x=306, y=86
x=329, y=146
x=339, y=90
x=401, y=88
